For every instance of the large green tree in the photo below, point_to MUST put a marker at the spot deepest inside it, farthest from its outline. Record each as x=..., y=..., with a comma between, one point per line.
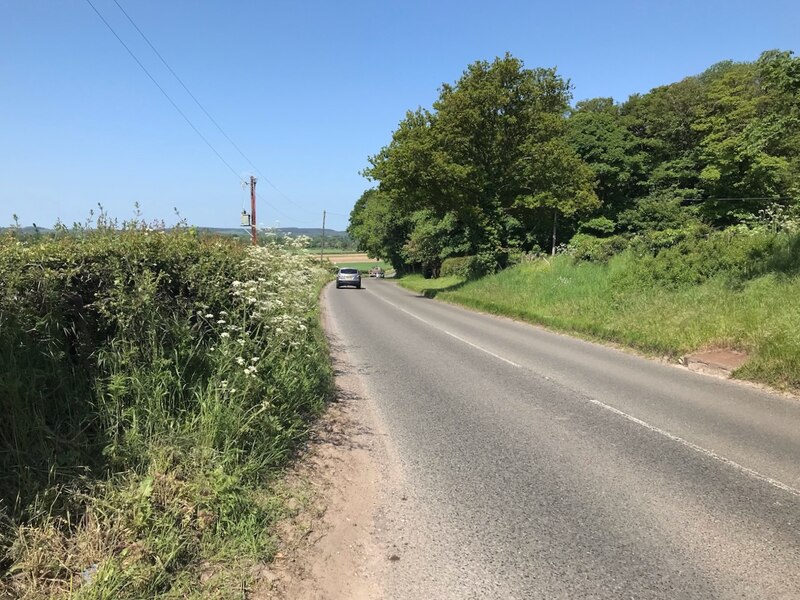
x=491, y=153
x=662, y=121
x=598, y=133
x=380, y=228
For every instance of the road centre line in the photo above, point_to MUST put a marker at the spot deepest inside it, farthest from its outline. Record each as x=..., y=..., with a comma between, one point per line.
x=709, y=453
x=704, y=451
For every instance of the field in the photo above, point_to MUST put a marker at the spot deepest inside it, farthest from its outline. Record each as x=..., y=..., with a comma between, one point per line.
x=348, y=257
x=316, y=251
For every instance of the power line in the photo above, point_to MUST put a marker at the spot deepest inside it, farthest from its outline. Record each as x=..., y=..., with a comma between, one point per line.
x=176, y=107
x=186, y=118
x=773, y=198
x=171, y=101
x=196, y=101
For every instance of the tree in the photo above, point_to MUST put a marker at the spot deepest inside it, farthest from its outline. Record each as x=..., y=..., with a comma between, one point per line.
x=432, y=240
x=483, y=154
x=380, y=228
x=751, y=127
x=662, y=120
x=597, y=132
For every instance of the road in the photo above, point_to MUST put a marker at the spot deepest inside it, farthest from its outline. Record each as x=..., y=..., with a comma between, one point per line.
x=528, y=464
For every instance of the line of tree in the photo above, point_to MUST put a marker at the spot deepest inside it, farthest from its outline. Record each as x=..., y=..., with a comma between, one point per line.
x=503, y=164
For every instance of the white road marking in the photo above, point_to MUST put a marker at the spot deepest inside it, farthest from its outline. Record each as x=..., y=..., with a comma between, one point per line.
x=468, y=343
x=709, y=453
x=452, y=335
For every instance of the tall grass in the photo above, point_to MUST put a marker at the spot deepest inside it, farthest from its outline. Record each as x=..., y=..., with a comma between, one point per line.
x=151, y=384
x=668, y=304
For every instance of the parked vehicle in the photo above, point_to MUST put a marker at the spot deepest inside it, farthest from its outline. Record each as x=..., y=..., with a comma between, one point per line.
x=348, y=276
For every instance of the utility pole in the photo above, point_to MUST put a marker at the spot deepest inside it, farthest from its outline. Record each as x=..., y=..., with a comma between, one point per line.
x=253, y=229
x=322, y=250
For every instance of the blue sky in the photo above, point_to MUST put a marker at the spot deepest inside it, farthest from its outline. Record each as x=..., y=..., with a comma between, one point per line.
x=307, y=90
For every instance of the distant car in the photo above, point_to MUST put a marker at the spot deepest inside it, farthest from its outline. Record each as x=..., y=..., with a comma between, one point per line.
x=376, y=272
x=347, y=276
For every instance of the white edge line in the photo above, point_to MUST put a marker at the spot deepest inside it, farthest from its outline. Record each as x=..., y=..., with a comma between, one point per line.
x=709, y=453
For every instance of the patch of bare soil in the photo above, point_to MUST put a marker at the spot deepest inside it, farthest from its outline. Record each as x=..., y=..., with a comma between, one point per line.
x=327, y=549
x=720, y=361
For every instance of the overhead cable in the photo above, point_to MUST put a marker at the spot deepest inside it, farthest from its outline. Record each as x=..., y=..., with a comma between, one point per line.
x=193, y=97
x=171, y=101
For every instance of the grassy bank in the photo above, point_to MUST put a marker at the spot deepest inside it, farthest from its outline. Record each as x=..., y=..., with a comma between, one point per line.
x=622, y=302
x=152, y=384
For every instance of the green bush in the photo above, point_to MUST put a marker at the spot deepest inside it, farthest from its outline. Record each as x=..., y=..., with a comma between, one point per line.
x=149, y=383
x=599, y=249
x=734, y=255
x=465, y=267
x=599, y=227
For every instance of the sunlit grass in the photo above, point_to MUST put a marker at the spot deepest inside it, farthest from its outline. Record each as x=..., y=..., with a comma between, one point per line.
x=759, y=316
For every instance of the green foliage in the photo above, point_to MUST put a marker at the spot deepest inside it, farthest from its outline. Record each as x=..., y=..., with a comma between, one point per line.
x=463, y=267
x=599, y=134
x=379, y=227
x=649, y=305
x=150, y=383
x=599, y=226
x=500, y=159
x=584, y=246
x=491, y=157
x=431, y=240
x=662, y=123
x=689, y=261
x=658, y=212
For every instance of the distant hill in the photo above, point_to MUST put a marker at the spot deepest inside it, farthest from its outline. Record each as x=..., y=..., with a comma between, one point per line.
x=293, y=231
x=240, y=231
x=29, y=229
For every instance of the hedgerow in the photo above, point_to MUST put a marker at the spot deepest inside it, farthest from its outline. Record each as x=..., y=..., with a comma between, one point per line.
x=150, y=384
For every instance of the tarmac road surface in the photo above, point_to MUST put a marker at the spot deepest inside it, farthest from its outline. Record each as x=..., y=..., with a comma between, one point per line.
x=535, y=465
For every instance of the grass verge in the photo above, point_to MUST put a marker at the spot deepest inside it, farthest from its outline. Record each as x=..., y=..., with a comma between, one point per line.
x=760, y=316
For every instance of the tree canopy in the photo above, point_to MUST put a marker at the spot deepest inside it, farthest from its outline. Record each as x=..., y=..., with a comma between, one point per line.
x=501, y=157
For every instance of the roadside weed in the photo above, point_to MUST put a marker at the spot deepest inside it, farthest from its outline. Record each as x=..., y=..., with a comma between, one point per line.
x=152, y=384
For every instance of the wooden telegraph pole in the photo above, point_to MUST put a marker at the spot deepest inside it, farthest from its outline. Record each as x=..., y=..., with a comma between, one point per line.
x=253, y=229
x=322, y=250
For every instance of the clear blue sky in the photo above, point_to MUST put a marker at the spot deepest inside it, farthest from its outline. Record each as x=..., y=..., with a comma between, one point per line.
x=306, y=89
